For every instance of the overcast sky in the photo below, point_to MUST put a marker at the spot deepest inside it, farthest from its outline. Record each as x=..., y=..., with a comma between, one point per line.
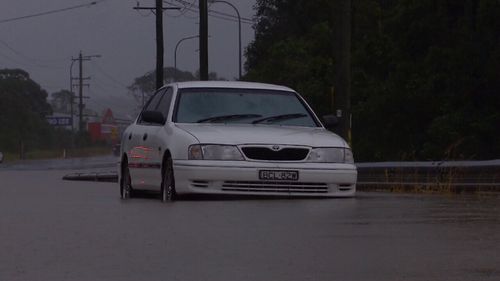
x=125, y=38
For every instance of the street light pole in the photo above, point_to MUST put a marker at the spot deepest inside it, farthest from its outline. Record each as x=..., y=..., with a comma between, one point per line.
x=239, y=32
x=175, y=52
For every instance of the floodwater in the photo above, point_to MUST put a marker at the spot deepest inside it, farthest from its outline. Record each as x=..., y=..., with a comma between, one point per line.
x=61, y=230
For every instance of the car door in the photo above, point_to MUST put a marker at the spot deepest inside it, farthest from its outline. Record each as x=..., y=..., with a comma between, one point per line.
x=141, y=152
x=155, y=140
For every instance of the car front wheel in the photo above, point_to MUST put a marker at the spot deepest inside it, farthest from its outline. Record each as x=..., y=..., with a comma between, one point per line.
x=168, y=183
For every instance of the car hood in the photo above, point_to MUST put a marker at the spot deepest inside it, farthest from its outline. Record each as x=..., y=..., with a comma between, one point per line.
x=262, y=134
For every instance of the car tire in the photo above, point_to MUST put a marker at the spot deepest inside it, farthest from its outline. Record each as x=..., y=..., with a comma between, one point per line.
x=125, y=182
x=168, y=193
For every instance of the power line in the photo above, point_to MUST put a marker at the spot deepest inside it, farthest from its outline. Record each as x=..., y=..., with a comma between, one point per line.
x=183, y=12
x=215, y=14
x=27, y=58
x=228, y=17
x=51, y=12
x=103, y=87
x=187, y=7
x=30, y=64
x=243, y=19
x=107, y=75
x=106, y=84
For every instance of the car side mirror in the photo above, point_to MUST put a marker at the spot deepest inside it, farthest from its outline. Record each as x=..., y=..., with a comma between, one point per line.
x=330, y=121
x=153, y=117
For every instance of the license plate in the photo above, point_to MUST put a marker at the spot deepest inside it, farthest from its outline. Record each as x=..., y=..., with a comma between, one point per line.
x=278, y=175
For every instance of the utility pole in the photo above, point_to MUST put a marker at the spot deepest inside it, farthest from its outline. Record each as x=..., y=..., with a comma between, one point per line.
x=203, y=40
x=80, y=93
x=158, y=11
x=342, y=54
x=71, y=99
x=81, y=58
x=159, y=44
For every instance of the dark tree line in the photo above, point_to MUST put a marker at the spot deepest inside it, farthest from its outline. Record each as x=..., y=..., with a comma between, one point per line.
x=23, y=108
x=144, y=86
x=425, y=73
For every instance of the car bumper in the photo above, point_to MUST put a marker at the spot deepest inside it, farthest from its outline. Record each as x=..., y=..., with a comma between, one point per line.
x=242, y=177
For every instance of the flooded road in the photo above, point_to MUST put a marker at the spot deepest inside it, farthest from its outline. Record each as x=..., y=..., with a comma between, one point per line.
x=60, y=230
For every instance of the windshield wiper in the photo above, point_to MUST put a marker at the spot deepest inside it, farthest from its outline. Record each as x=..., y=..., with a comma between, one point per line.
x=228, y=117
x=280, y=117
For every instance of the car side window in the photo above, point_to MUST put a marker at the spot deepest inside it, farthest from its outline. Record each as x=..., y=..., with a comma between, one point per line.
x=152, y=103
x=164, y=104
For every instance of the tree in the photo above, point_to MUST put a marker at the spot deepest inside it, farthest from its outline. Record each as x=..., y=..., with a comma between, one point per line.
x=425, y=74
x=424, y=86
x=23, y=108
x=145, y=85
x=290, y=48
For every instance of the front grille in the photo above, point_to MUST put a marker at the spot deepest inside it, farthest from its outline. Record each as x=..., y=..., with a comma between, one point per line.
x=285, y=154
x=274, y=186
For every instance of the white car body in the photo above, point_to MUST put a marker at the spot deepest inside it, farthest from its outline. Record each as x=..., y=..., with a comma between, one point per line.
x=145, y=147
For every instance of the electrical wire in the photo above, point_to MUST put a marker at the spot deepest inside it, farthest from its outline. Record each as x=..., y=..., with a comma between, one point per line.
x=24, y=64
x=184, y=10
x=215, y=14
x=51, y=12
x=30, y=58
x=107, y=75
x=181, y=13
x=243, y=19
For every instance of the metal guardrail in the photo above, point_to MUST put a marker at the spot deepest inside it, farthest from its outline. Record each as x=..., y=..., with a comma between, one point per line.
x=430, y=164
x=457, y=176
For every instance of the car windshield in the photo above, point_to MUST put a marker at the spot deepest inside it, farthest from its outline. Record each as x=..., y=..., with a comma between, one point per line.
x=247, y=106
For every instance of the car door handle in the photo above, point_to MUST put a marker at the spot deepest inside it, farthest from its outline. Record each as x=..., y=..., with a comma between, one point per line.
x=145, y=137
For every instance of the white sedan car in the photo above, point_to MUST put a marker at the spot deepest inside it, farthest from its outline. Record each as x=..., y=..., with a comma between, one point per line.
x=233, y=138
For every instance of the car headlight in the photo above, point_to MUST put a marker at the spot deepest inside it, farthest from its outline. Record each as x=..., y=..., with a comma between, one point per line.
x=331, y=155
x=214, y=152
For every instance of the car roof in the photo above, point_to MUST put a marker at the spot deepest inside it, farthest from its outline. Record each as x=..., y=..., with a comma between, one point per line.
x=231, y=84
